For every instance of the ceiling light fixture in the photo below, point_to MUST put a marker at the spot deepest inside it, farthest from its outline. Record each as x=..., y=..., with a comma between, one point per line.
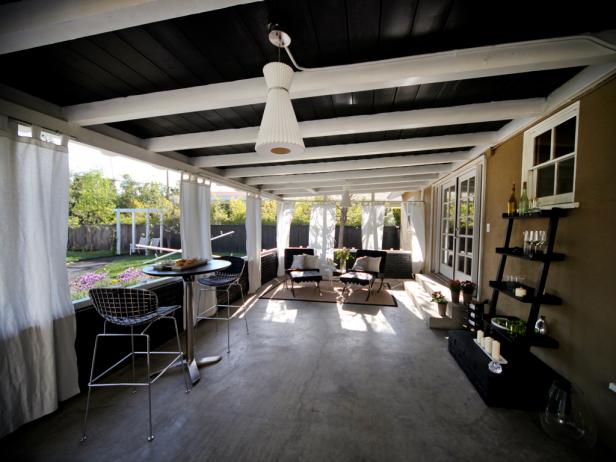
x=279, y=131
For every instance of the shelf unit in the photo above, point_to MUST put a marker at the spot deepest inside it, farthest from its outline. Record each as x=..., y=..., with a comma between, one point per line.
x=535, y=296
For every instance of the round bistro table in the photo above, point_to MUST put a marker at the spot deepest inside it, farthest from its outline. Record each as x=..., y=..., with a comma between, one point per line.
x=188, y=276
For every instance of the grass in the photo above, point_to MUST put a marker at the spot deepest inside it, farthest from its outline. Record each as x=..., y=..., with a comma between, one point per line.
x=78, y=255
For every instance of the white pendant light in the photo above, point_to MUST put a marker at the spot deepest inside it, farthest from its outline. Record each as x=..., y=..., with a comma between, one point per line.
x=346, y=199
x=279, y=131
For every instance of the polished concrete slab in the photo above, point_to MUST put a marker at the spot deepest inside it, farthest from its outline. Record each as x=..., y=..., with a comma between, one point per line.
x=312, y=382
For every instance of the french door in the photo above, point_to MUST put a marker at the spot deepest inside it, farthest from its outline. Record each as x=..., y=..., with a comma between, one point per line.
x=459, y=237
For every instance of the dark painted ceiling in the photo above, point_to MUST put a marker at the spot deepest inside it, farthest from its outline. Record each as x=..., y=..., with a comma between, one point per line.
x=231, y=44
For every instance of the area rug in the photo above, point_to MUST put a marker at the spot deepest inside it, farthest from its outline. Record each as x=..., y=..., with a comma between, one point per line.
x=331, y=293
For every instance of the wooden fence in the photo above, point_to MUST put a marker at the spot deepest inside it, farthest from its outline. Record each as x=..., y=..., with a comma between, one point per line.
x=103, y=237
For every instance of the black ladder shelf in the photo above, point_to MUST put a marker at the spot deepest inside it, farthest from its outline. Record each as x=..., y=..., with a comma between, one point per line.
x=535, y=296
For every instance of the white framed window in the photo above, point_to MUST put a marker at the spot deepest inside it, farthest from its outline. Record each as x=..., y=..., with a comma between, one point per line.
x=549, y=158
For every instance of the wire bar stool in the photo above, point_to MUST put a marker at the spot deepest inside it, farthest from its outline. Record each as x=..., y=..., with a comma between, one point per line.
x=225, y=281
x=132, y=308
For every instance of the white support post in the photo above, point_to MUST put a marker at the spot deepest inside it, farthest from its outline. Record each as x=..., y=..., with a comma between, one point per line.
x=147, y=230
x=118, y=234
x=160, y=230
x=133, y=233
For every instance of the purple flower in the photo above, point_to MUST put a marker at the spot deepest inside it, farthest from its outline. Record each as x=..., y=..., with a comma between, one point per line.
x=87, y=281
x=130, y=274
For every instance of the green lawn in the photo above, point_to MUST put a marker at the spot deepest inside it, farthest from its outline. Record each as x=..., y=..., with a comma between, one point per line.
x=135, y=261
x=77, y=255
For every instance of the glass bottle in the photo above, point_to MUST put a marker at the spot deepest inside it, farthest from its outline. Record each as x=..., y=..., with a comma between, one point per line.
x=523, y=204
x=541, y=326
x=512, y=203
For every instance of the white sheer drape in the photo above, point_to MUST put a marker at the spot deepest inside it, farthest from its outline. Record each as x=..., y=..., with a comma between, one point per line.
x=253, y=241
x=372, y=222
x=417, y=235
x=195, y=231
x=38, y=363
x=405, y=232
x=283, y=231
x=322, y=231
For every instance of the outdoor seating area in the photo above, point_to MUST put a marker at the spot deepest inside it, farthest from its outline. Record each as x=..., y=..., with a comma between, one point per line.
x=257, y=230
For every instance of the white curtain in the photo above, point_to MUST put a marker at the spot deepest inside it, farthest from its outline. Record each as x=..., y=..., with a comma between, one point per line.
x=322, y=231
x=283, y=231
x=405, y=232
x=38, y=363
x=372, y=222
x=417, y=234
x=195, y=232
x=253, y=241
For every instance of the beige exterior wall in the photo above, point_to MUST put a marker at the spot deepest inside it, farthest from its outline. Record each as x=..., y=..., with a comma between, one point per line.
x=585, y=325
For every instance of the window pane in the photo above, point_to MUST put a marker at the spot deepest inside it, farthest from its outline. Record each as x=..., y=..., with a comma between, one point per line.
x=460, y=263
x=461, y=244
x=545, y=181
x=469, y=245
x=469, y=266
x=471, y=185
x=449, y=242
x=24, y=130
x=565, y=176
x=542, y=148
x=564, y=138
x=450, y=259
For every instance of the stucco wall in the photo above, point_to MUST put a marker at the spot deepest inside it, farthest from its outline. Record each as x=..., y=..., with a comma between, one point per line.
x=585, y=325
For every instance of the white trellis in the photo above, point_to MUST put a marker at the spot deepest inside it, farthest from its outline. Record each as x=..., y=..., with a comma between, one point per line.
x=133, y=213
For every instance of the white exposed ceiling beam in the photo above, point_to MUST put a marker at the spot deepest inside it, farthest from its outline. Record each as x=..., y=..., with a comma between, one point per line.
x=349, y=150
x=115, y=145
x=354, y=191
x=468, y=63
x=420, y=171
x=358, y=164
x=37, y=23
x=400, y=120
x=360, y=181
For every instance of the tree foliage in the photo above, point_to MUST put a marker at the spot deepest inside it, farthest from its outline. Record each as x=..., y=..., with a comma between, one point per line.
x=92, y=198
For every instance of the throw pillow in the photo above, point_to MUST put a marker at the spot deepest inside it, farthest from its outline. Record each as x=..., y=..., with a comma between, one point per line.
x=374, y=264
x=311, y=262
x=298, y=262
x=361, y=264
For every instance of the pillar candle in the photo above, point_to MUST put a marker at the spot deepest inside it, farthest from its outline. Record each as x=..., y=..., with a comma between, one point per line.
x=487, y=344
x=520, y=292
x=496, y=350
x=480, y=337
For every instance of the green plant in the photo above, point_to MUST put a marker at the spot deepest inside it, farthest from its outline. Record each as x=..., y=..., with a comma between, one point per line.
x=468, y=287
x=342, y=254
x=455, y=285
x=438, y=297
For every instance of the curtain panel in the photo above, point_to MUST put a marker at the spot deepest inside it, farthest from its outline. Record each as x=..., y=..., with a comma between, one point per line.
x=322, y=232
x=253, y=241
x=417, y=235
x=38, y=362
x=283, y=231
x=195, y=232
x=372, y=222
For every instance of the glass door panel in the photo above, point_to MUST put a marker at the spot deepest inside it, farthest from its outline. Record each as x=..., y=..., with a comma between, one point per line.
x=448, y=229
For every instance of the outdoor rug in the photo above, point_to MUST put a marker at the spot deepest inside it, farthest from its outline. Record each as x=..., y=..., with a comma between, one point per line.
x=331, y=293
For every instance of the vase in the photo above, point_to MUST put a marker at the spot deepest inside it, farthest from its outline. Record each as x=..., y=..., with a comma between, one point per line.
x=455, y=296
x=343, y=266
x=442, y=309
x=467, y=297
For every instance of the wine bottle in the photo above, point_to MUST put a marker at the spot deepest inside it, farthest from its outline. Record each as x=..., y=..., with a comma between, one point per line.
x=523, y=204
x=512, y=203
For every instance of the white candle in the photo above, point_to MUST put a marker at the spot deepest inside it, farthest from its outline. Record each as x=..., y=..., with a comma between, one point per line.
x=496, y=350
x=480, y=337
x=487, y=345
x=520, y=292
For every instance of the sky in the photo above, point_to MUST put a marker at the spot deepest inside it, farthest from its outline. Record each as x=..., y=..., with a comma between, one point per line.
x=83, y=158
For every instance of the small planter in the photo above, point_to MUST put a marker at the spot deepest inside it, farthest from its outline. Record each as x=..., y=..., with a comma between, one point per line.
x=467, y=297
x=455, y=296
x=442, y=309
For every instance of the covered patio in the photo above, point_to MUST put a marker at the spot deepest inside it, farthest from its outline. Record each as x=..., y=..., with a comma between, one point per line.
x=443, y=295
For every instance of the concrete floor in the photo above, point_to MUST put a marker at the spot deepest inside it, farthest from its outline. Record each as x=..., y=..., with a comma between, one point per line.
x=314, y=382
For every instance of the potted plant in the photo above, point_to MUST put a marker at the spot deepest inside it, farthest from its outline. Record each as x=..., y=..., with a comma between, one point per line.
x=455, y=288
x=342, y=255
x=440, y=299
x=468, y=288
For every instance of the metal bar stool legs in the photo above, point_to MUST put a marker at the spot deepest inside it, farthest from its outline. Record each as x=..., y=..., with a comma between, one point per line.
x=94, y=381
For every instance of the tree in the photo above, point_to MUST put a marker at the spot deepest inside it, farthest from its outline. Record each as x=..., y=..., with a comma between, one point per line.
x=269, y=210
x=92, y=199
